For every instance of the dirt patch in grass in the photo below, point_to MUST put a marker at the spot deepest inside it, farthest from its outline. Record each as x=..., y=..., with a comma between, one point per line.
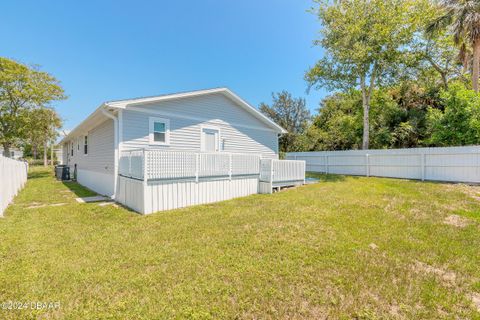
x=456, y=221
x=471, y=191
x=36, y=206
x=476, y=301
x=447, y=277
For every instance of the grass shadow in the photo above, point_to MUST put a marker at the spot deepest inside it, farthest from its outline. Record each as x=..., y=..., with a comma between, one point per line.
x=322, y=177
x=38, y=174
x=79, y=190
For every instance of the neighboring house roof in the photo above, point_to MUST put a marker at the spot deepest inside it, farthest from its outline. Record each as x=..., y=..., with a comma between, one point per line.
x=122, y=104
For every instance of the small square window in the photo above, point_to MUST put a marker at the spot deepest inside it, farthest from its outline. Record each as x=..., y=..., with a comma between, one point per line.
x=159, y=131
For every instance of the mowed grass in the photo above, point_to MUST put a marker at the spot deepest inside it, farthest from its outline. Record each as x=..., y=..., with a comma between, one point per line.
x=343, y=248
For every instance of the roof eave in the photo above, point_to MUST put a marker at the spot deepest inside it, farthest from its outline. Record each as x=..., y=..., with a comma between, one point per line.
x=82, y=124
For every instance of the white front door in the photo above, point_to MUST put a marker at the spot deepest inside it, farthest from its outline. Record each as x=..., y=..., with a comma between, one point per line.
x=210, y=139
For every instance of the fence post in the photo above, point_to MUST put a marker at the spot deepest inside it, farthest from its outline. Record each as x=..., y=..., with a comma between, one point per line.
x=422, y=159
x=326, y=164
x=367, y=163
x=197, y=159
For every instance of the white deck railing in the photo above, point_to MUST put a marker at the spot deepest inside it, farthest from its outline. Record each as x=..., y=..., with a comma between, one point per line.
x=171, y=165
x=13, y=176
x=278, y=171
x=132, y=163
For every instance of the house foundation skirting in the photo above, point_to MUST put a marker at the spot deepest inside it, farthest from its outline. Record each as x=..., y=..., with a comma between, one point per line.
x=151, y=196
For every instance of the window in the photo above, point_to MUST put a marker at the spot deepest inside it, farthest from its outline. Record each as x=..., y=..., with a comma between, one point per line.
x=71, y=147
x=210, y=139
x=159, y=131
x=85, y=145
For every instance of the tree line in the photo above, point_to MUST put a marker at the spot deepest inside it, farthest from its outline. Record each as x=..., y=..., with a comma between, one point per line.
x=402, y=73
x=27, y=119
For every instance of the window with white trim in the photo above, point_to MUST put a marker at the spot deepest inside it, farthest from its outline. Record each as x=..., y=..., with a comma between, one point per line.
x=71, y=147
x=159, y=131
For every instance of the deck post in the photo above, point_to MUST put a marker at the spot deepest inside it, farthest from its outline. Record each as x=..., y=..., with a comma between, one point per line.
x=144, y=156
x=271, y=170
x=230, y=167
x=197, y=156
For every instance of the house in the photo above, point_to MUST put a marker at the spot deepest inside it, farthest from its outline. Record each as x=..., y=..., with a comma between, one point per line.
x=15, y=153
x=166, y=131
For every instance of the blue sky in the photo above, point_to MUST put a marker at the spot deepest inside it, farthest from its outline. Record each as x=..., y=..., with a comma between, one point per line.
x=107, y=50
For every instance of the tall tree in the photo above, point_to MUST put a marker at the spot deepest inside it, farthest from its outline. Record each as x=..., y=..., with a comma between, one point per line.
x=41, y=129
x=463, y=17
x=364, y=42
x=291, y=114
x=438, y=52
x=22, y=89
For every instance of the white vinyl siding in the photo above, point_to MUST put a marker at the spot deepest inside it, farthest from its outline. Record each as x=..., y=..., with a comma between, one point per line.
x=240, y=131
x=101, y=151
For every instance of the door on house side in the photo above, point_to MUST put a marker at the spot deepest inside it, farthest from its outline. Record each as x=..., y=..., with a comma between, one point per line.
x=211, y=138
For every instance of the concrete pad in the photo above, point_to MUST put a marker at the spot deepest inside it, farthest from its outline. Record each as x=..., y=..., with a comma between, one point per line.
x=111, y=203
x=46, y=205
x=92, y=199
x=57, y=204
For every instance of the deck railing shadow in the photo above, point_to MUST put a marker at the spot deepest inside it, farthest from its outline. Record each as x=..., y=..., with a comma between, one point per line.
x=322, y=177
x=38, y=174
x=79, y=190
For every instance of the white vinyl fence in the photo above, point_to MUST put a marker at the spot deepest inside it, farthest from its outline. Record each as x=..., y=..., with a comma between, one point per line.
x=456, y=164
x=13, y=176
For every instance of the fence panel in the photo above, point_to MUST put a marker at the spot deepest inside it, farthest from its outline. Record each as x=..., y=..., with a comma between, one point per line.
x=13, y=176
x=282, y=170
x=170, y=165
x=214, y=165
x=456, y=164
x=131, y=164
x=245, y=164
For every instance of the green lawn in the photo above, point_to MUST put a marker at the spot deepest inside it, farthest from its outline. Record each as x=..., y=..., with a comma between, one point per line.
x=343, y=248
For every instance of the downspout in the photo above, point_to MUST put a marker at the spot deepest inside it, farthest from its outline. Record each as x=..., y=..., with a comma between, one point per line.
x=116, y=154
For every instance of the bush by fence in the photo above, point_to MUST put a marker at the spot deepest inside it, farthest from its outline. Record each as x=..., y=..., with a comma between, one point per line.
x=13, y=176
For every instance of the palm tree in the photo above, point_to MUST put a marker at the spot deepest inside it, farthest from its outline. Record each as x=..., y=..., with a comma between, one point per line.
x=463, y=16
